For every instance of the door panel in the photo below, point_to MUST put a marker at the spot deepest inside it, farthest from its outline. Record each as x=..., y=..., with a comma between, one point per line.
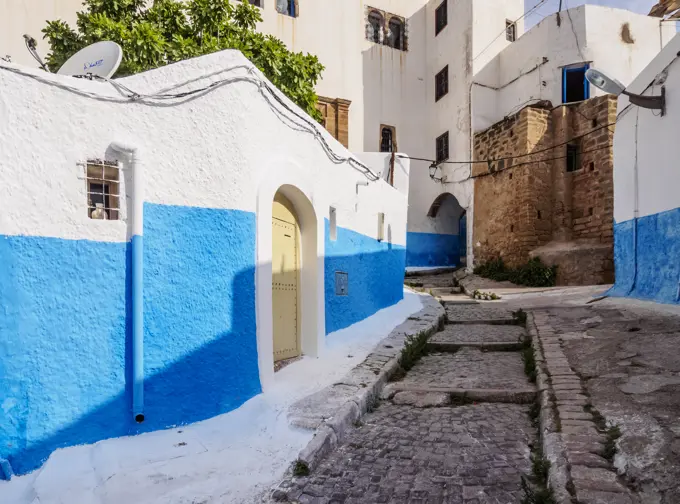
x=285, y=277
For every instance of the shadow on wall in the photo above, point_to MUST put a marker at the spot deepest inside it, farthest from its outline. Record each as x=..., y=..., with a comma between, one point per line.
x=66, y=364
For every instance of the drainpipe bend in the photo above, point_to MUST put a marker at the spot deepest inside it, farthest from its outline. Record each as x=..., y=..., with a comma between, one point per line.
x=131, y=153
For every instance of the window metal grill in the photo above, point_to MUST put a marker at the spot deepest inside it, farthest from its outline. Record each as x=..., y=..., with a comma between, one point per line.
x=442, y=83
x=103, y=189
x=441, y=17
x=443, y=147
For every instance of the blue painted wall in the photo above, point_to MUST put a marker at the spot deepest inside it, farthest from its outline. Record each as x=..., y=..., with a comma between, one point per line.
x=657, y=260
x=65, y=346
x=375, y=273
x=428, y=249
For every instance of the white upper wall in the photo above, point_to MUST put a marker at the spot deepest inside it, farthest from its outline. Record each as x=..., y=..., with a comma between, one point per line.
x=587, y=34
x=213, y=150
x=643, y=136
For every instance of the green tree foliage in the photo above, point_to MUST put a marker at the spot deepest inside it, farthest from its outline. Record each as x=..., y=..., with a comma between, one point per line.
x=172, y=30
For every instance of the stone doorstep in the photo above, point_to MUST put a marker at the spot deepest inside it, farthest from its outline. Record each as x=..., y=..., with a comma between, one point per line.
x=491, y=346
x=518, y=396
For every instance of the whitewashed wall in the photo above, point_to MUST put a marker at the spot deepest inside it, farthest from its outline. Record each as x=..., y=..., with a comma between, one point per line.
x=646, y=181
x=594, y=37
x=652, y=146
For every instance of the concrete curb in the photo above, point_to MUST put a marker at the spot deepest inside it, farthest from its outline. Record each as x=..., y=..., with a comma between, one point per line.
x=333, y=430
x=553, y=447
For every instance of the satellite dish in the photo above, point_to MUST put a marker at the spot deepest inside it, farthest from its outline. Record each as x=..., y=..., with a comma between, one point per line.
x=604, y=82
x=101, y=59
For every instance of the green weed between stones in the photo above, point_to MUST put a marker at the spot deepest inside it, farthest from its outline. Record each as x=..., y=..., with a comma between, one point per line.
x=300, y=469
x=532, y=274
x=535, y=487
x=414, y=348
x=529, y=360
x=612, y=433
x=520, y=317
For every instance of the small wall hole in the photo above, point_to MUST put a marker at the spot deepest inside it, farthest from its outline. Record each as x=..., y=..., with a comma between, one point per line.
x=590, y=211
x=592, y=166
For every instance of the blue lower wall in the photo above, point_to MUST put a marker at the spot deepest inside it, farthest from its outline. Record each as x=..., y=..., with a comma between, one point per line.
x=65, y=346
x=657, y=260
x=65, y=350
x=375, y=277
x=428, y=249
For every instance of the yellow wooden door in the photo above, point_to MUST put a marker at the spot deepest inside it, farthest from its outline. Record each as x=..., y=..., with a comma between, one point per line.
x=285, y=277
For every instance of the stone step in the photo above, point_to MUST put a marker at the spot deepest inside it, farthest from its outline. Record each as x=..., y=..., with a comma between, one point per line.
x=468, y=369
x=482, y=336
x=434, y=396
x=478, y=314
x=485, y=346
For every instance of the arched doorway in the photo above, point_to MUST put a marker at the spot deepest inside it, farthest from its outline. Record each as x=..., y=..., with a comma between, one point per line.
x=286, y=241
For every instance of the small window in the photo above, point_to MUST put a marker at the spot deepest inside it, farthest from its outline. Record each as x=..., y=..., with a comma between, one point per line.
x=287, y=7
x=573, y=158
x=256, y=3
x=575, y=87
x=510, y=31
x=441, y=84
x=103, y=190
x=395, y=34
x=441, y=17
x=443, y=147
x=374, y=31
x=387, y=139
x=381, y=226
x=333, y=234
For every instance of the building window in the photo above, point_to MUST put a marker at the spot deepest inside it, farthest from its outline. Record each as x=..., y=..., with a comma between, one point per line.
x=575, y=87
x=256, y=3
x=510, y=31
x=441, y=83
x=441, y=17
x=287, y=7
x=387, y=143
x=443, y=147
x=103, y=190
x=375, y=28
x=385, y=28
x=395, y=33
x=332, y=217
x=573, y=158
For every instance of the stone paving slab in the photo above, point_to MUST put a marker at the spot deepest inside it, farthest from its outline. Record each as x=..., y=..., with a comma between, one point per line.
x=478, y=334
x=469, y=369
x=478, y=314
x=401, y=454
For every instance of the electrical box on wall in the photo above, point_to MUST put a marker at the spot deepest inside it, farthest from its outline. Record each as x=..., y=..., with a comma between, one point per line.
x=341, y=283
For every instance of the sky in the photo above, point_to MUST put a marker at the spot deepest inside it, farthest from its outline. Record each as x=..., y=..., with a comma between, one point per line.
x=551, y=6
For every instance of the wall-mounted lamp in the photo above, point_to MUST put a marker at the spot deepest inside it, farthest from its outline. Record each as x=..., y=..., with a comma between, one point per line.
x=609, y=85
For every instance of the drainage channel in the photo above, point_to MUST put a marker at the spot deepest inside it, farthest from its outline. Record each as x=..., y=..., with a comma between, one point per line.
x=455, y=427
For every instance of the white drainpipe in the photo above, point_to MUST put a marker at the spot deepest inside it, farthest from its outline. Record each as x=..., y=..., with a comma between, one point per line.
x=133, y=159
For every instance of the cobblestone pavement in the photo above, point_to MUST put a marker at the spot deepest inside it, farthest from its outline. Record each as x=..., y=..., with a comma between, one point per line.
x=626, y=365
x=469, y=368
x=475, y=333
x=478, y=313
x=430, y=451
x=401, y=454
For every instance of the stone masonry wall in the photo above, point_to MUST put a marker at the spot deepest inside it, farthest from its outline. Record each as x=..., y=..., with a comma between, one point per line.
x=512, y=205
x=526, y=203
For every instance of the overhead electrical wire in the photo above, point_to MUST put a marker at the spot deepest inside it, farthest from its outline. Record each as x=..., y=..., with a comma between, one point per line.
x=171, y=99
x=541, y=2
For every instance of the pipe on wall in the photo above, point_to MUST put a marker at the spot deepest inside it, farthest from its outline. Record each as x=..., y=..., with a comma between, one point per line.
x=131, y=153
